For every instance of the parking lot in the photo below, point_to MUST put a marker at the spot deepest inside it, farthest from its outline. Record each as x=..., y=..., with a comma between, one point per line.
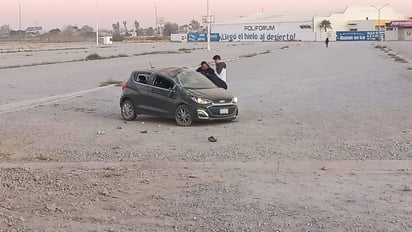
x=322, y=143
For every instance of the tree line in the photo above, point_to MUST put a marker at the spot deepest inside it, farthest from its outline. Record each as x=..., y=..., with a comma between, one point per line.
x=119, y=30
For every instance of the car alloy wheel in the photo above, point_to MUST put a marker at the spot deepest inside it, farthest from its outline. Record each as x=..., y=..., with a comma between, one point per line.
x=128, y=112
x=183, y=116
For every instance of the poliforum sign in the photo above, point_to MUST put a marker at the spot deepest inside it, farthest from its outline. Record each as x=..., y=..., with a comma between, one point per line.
x=259, y=33
x=260, y=28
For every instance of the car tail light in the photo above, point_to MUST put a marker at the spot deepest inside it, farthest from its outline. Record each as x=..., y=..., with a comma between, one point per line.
x=124, y=85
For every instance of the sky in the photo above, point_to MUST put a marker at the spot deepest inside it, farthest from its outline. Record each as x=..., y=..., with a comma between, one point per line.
x=59, y=13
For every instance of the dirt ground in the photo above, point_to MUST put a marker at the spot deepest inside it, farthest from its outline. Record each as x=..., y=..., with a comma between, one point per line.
x=323, y=143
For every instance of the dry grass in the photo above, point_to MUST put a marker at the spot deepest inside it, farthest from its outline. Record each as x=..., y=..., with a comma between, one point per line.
x=185, y=50
x=94, y=56
x=249, y=55
x=111, y=82
x=265, y=52
x=380, y=46
x=156, y=53
x=400, y=60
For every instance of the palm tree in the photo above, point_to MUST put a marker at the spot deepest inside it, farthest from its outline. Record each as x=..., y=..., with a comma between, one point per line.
x=325, y=24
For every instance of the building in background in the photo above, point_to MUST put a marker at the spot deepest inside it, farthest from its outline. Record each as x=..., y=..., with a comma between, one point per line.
x=399, y=30
x=4, y=30
x=34, y=30
x=356, y=19
x=106, y=40
x=305, y=26
x=267, y=27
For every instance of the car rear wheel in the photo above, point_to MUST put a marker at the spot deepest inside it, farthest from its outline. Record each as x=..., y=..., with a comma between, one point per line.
x=128, y=111
x=183, y=116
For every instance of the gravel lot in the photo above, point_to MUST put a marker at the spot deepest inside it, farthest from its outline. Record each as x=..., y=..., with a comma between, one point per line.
x=323, y=143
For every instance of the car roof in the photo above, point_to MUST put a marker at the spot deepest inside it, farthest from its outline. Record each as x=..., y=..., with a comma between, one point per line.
x=169, y=72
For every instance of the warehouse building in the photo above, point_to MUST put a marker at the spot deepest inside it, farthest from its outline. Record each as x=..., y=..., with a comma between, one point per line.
x=304, y=26
x=267, y=27
x=399, y=30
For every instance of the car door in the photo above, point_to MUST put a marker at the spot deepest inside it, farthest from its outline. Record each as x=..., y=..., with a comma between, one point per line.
x=162, y=95
x=142, y=82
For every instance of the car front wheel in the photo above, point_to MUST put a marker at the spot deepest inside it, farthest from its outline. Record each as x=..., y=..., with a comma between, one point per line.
x=183, y=116
x=128, y=111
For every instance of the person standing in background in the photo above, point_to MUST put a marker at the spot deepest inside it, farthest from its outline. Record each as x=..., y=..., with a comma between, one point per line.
x=327, y=42
x=220, y=68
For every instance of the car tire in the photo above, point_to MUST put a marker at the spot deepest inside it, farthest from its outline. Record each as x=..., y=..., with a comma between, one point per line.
x=128, y=111
x=183, y=116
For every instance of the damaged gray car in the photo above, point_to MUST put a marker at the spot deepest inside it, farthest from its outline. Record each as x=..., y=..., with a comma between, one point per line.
x=179, y=93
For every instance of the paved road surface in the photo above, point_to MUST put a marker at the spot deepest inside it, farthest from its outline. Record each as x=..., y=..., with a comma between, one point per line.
x=323, y=143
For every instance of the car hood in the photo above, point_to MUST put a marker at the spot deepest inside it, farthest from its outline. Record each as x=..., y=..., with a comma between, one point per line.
x=215, y=94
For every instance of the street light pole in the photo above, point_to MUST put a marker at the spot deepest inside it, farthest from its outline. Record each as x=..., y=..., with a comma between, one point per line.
x=97, y=23
x=156, y=22
x=19, y=15
x=208, y=26
x=379, y=18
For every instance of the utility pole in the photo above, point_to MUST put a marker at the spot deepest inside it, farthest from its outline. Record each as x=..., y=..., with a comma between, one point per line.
x=208, y=20
x=209, y=23
x=379, y=18
x=19, y=16
x=156, y=28
x=97, y=23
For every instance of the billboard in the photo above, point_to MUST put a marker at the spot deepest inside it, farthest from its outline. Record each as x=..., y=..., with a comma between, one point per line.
x=202, y=37
x=357, y=36
x=403, y=23
x=269, y=32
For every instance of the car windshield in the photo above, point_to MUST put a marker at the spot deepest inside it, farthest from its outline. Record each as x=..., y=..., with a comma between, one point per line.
x=193, y=80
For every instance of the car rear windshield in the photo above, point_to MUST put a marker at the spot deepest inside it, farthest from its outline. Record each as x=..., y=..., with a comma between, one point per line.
x=193, y=80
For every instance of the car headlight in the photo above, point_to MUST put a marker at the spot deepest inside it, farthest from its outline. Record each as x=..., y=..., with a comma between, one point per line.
x=235, y=100
x=201, y=101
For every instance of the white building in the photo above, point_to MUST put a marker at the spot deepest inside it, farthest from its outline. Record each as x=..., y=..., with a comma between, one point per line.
x=34, y=30
x=399, y=30
x=106, y=40
x=182, y=38
x=267, y=27
x=355, y=19
x=303, y=26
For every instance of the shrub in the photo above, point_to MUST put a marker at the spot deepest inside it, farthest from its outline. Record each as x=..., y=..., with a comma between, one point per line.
x=94, y=56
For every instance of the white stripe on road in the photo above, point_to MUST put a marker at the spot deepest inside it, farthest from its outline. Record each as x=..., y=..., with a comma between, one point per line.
x=29, y=104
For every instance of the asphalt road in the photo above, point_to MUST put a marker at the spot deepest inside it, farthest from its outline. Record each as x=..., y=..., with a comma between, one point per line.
x=28, y=83
x=349, y=101
x=323, y=143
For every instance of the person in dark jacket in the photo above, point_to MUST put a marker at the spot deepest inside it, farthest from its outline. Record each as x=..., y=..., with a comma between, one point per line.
x=208, y=72
x=205, y=69
x=327, y=42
